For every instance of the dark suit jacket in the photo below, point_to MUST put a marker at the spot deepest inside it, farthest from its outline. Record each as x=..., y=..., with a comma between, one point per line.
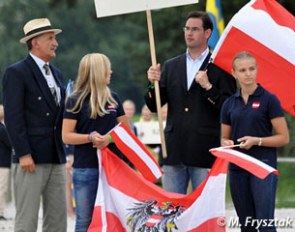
x=192, y=125
x=5, y=148
x=32, y=118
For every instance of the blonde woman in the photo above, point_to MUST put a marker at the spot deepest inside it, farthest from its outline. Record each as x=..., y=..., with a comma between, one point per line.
x=91, y=111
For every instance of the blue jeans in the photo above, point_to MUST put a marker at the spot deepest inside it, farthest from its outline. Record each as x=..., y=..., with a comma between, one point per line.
x=253, y=198
x=85, y=182
x=177, y=177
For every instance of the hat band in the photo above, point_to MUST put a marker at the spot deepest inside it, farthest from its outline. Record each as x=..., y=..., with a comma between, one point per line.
x=38, y=30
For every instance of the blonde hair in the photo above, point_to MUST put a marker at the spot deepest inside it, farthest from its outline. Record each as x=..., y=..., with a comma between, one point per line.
x=94, y=69
x=241, y=55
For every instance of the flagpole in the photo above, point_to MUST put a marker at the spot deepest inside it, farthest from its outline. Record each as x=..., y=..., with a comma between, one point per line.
x=230, y=146
x=157, y=89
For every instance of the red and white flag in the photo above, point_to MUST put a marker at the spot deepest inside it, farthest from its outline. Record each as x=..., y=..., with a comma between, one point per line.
x=266, y=30
x=126, y=201
x=246, y=162
x=136, y=152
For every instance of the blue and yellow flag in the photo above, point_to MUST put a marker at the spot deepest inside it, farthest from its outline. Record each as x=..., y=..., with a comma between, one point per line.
x=213, y=8
x=69, y=88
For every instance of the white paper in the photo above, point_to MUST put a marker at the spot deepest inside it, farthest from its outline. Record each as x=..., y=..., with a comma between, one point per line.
x=149, y=132
x=117, y=7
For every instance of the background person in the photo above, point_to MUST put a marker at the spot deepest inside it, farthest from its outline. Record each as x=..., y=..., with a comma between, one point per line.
x=194, y=90
x=253, y=118
x=164, y=112
x=146, y=115
x=69, y=187
x=5, y=163
x=130, y=109
x=33, y=101
x=91, y=112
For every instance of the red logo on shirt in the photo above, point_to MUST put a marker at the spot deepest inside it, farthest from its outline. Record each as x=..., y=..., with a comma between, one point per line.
x=111, y=106
x=255, y=105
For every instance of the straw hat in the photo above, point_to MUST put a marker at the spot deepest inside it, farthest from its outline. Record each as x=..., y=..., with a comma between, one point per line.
x=37, y=27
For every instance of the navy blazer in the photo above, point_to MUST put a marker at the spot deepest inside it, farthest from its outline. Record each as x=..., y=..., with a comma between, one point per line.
x=192, y=125
x=5, y=147
x=32, y=118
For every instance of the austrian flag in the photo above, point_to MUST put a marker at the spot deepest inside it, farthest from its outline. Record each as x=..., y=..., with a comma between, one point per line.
x=246, y=162
x=126, y=201
x=136, y=152
x=266, y=30
x=255, y=105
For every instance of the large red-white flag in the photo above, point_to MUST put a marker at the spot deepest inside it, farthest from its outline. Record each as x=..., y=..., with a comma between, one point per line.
x=266, y=30
x=136, y=152
x=126, y=201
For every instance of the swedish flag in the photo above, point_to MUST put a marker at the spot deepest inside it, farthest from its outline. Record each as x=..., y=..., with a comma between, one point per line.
x=213, y=8
x=69, y=88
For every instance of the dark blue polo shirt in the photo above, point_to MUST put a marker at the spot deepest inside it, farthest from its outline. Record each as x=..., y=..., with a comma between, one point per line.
x=84, y=154
x=253, y=119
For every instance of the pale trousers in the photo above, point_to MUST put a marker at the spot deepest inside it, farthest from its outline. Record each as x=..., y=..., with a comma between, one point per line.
x=4, y=179
x=47, y=185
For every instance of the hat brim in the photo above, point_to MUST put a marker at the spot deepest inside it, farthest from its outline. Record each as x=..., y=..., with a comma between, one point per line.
x=26, y=38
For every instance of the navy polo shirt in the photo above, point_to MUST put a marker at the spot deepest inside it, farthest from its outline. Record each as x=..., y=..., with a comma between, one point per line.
x=84, y=154
x=253, y=119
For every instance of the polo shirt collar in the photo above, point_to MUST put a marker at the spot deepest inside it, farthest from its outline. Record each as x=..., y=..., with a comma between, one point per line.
x=258, y=91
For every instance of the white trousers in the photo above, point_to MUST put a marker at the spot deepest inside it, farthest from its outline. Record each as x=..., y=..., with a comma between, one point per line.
x=4, y=183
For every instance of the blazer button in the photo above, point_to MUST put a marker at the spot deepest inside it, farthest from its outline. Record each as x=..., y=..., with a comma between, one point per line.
x=39, y=98
x=47, y=114
x=186, y=109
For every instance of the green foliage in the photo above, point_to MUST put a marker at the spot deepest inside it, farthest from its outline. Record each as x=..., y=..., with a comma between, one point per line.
x=56, y=3
x=286, y=188
x=289, y=150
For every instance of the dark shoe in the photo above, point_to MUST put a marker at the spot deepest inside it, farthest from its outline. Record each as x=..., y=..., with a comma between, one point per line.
x=2, y=218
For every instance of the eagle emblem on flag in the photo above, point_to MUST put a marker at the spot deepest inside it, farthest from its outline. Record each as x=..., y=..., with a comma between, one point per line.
x=154, y=216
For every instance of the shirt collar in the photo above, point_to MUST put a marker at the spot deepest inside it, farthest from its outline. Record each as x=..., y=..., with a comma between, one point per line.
x=38, y=61
x=202, y=57
x=258, y=91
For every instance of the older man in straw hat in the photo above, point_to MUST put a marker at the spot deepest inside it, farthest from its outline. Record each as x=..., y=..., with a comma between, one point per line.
x=34, y=100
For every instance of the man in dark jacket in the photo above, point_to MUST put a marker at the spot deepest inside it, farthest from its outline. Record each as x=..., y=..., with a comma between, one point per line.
x=194, y=90
x=33, y=104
